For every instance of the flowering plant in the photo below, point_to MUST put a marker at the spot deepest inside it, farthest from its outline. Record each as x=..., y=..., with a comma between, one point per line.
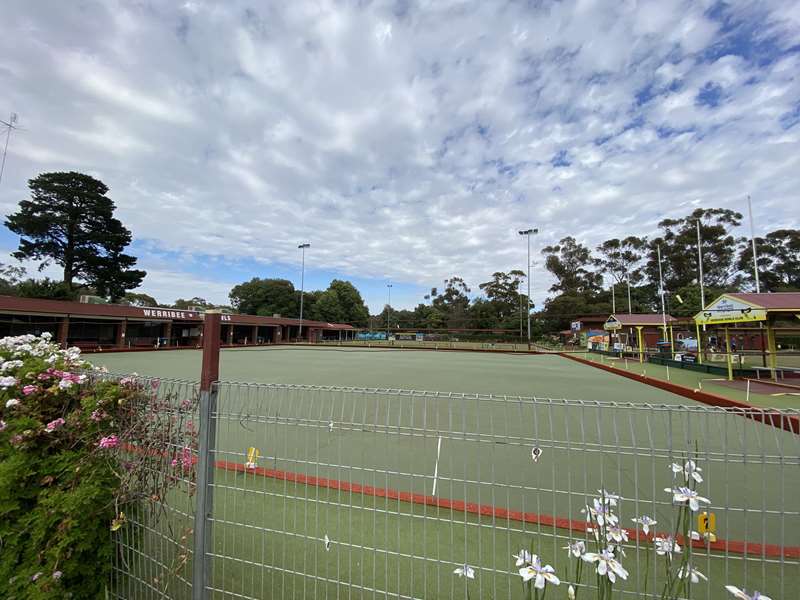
x=76, y=448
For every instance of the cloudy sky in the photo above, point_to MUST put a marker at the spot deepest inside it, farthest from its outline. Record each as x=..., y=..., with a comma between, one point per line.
x=408, y=141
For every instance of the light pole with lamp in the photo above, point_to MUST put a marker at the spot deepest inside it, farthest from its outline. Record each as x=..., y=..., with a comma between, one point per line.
x=528, y=233
x=302, y=248
x=388, y=309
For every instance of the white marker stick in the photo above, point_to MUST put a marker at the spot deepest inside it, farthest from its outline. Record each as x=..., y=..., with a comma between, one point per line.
x=436, y=468
x=748, y=391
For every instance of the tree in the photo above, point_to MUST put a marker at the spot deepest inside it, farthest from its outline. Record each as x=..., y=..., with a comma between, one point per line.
x=46, y=288
x=353, y=309
x=621, y=259
x=69, y=220
x=569, y=262
x=10, y=277
x=679, y=249
x=327, y=308
x=778, y=261
x=505, y=301
x=200, y=303
x=139, y=299
x=266, y=297
x=454, y=302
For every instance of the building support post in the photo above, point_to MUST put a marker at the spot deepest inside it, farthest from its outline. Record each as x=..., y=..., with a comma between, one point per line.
x=209, y=376
x=230, y=335
x=254, y=335
x=168, y=333
x=63, y=332
x=699, y=343
x=772, y=351
x=122, y=328
x=728, y=354
x=640, y=340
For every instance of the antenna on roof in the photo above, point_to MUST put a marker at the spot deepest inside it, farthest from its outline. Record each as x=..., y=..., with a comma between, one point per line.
x=9, y=125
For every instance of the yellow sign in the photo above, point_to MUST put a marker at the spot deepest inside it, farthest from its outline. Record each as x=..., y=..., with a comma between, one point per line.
x=729, y=310
x=707, y=525
x=252, y=457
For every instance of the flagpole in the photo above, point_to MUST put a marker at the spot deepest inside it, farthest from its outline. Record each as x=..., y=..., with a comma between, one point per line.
x=753, y=241
x=700, y=265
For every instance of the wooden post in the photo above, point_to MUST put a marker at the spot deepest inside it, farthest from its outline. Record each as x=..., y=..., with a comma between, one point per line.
x=211, y=344
x=168, y=332
x=122, y=328
x=209, y=374
x=230, y=334
x=728, y=354
x=254, y=337
x=63, y=332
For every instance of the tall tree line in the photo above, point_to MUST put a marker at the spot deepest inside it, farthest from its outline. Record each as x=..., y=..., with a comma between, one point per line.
x=584, y=277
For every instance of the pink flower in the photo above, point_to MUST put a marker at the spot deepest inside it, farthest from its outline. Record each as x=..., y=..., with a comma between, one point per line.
x=98, y=415
x=185, y=459
x=110, y=441
x=30, y=389
x=53, y=425
x=36, y=576
x=43, y=376
x=57, y=575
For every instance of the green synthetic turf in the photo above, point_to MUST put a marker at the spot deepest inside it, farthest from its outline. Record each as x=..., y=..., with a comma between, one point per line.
x=251, y=507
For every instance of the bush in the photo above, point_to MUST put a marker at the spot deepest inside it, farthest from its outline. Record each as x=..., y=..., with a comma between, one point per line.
x=76, y=448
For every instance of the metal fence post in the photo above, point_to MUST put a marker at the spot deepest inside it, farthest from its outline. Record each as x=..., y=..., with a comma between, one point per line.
x=201, y=565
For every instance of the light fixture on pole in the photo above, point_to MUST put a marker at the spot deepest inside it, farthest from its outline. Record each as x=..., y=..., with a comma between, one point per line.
x=302, y=248
x=527, y=233
x=388, y=309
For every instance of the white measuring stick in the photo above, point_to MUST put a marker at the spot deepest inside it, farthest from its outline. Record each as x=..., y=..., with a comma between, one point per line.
x=436, y=469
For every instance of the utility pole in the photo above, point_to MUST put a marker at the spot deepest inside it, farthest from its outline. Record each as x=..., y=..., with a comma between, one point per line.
x=528, y=233
x=628, y=280
x=302, y=248
x=753, y=240
x=11, y=124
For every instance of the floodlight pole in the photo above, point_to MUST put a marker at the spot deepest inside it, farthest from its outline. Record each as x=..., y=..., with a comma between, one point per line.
x=528, y=233
x=388, y=309
x=661, y=290
x=613, y=300
x=9, y=126
x=700, y=266
x=628, y=280
x=753, y=241
x=302, y=284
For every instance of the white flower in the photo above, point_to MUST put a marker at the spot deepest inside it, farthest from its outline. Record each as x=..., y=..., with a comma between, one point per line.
x=465, y=571
x=65, y=384
x=743, y=595
x=607, y=565
x=11, y=403
x=523, y=558
x=602, y=513
x=8, y=381
x=684, y=494
x=571, y=593
x=667, y=546
x=609, y=498
x=617, y=533
x=689, y=470
x=327, y=542
x=645, y=522
x=576, y=549
x=691, y=573
x=540, y=574
x=47, y=335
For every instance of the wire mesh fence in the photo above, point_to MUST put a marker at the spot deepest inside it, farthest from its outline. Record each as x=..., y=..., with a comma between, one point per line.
x=154, y=545
x=324, y=492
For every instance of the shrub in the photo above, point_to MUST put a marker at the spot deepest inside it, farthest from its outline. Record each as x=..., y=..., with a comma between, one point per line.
x=77, y=448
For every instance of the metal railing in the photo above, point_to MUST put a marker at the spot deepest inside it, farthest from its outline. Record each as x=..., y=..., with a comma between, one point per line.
x=339, y=492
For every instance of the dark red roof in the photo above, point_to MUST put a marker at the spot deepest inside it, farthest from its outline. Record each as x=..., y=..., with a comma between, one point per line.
x=774, y=301
x=643, y=319
x=15, y=304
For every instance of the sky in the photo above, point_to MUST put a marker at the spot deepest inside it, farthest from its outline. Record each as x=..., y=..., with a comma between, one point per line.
x=406, y=141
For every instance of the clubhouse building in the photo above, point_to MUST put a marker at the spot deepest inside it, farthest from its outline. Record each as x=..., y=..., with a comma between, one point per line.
x=115, y=326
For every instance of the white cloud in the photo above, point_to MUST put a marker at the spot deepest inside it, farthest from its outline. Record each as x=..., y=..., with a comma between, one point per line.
x=407, y=140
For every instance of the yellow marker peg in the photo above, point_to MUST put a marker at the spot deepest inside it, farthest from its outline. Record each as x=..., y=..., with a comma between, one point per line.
x=252, y=456
x=707, y=526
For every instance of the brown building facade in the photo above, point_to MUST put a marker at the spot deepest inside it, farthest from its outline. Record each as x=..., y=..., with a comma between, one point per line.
x=105, y=326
